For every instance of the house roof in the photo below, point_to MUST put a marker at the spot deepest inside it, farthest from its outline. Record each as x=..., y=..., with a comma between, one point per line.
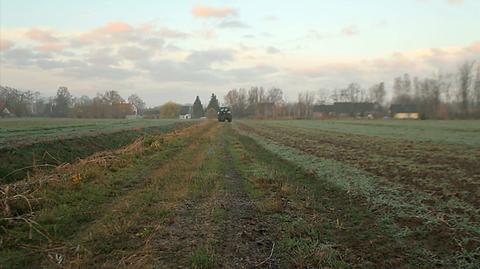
x=5, y=111
x=347, y=107
x=323, y=108
x=403, y=108
x=185, y=110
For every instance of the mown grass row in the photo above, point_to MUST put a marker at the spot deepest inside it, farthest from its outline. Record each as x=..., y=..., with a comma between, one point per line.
x=70, y=205
x=19, y=160
x=129, y=235
x=384, y=205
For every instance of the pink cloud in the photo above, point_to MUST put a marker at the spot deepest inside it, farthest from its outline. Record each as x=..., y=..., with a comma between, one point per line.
x=41, y=35
x=110, y=29
x=350, y=30
x=207, y=12
x=474, y=48
x=51, y=47
x=5, y=44
x=114, y=27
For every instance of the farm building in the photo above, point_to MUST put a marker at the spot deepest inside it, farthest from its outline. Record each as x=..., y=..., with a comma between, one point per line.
x=185, y=113
x=404, y=111
x=5, y=113
x=346, y=109
x=322, y=111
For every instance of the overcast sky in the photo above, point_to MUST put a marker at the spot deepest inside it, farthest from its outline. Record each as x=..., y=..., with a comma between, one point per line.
x=175, y=50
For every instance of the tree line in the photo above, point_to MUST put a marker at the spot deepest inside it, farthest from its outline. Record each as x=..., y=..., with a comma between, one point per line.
x=109, y=104
x=196, y=111
x=441, y=96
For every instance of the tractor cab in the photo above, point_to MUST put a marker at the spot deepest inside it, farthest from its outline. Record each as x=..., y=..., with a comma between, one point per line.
x=224, y=114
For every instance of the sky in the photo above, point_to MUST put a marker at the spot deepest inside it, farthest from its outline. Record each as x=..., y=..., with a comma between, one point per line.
x=174, y=50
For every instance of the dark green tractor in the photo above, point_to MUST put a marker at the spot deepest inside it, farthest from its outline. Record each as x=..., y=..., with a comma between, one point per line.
x=224, y=114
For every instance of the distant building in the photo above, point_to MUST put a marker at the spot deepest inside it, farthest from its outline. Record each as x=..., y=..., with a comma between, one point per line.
x=4, y=112
x=322, y=111
x=404, y=111
x=351, y=109
x=185, y=113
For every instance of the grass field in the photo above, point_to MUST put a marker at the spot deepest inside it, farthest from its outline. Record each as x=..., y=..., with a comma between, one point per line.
x=28, y=130
x=39, y=143
x=448, y=131
x=266, y=194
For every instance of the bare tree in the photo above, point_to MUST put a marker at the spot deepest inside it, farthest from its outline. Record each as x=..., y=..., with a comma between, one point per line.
x=465, y=73
x=137, y=102
x=322, y=96
x=275, y=96
x=402, y=90
x=377, y=93
x=237, y=101
x=476, y=88
x=305, y=104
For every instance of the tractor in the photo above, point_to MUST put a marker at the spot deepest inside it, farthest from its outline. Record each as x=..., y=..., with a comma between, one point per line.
x=224, y=114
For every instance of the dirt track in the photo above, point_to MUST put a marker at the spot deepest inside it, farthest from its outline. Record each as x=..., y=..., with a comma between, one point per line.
x=245, y=240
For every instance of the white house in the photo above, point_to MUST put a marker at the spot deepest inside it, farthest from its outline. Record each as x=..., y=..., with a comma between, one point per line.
x=185, y=113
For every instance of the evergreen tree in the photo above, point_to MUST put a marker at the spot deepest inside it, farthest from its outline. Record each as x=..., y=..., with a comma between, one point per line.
x=197, y=109
x=213, y=103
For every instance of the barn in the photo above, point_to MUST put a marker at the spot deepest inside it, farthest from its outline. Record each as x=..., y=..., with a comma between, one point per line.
x=404, y=111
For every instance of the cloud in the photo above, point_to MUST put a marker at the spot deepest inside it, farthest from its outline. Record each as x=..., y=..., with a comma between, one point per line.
x=272, y=50
x=207, y=34
x=206, y=58
x=153, y=42
x=111, y=32
x=271, y=18
x=233, y=24
x=22, y=57
x=212, y=12
x=349, y=30
x=112, y=28
x=252, y=73
x=183, y=71
x=84, y=71
x=421, y=63
x=171, y=33
x=41, y=35
x=51, y=47
x=102, y=56
x=5, y=44
x=134, y=53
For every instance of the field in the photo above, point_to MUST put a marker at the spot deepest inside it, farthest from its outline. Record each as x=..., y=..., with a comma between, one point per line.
x=41, y=143
x=266, y=194
x=31, y=130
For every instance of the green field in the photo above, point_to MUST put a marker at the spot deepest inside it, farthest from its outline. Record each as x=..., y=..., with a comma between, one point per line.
x=37, y=143
x=256, y=194
x=449, y=131
x=28, y=130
